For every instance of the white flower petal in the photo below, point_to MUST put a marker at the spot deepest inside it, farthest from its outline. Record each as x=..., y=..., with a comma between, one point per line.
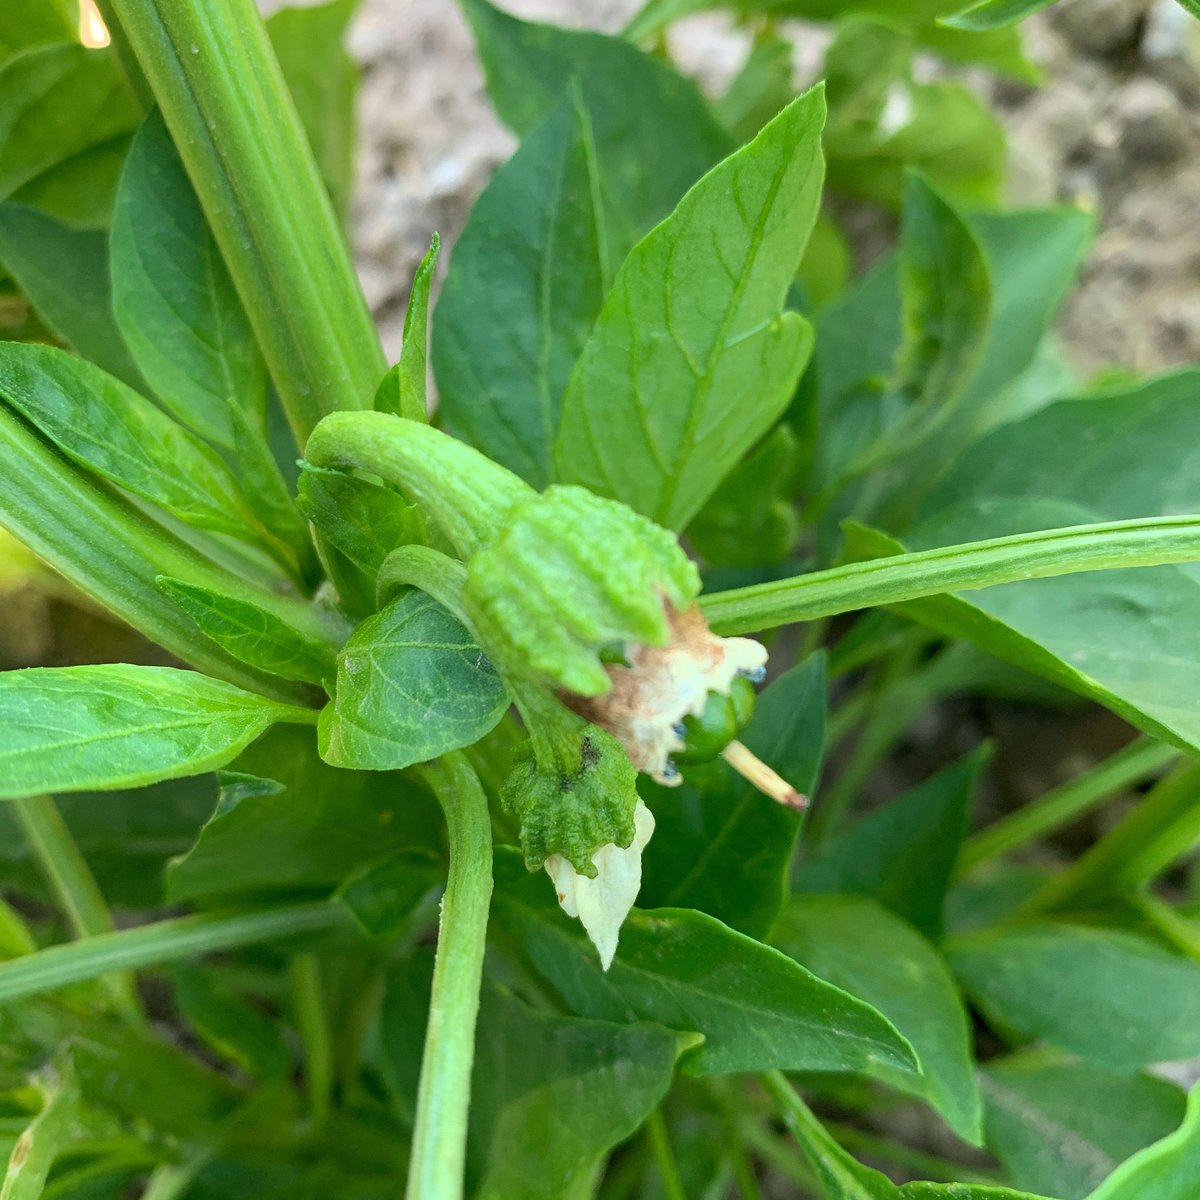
x=603, y=903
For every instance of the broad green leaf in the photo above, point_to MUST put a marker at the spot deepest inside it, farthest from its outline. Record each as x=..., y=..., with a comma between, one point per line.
x=1063, y=1127
x=720, y=845
x=756, y=1008
x=1115, y=999
x=258, y=637
x=69, y=729
x=108, y=428
x=47, y=1137
x=323, y=79
x=403, y=388
x=528, y=277
x=402, y=1019
x=64, y=274
x=26, y=23
x=411, y=685
x=230, y=1024
x=126, y=838
x=592, y=1082
x=314, y=828
x=382, y=896
x=58, y=103
x=654, y=134
x=994, y=14
x=862, y=948
x=1168, y=1170
x=691, y=359
x=173, y=297
x=902, y=854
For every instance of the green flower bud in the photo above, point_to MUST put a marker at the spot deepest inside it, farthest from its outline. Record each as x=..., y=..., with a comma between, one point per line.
x=570, y=578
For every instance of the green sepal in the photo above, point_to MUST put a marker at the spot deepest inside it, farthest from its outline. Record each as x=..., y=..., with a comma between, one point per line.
x=569, y=574
x=725, y=715
x=572, y=809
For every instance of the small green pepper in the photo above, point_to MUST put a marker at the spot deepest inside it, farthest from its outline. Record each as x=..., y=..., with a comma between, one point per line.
x=723, y=718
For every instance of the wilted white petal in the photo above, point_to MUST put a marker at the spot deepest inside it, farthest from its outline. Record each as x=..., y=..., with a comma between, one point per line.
x=603, y=903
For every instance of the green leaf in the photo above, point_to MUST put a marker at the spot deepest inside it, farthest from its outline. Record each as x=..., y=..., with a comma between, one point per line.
x=902, y=854
x=1165, y=1171
x=528, y=278
x=67, y=729
x=308, y=41
x=411, y=685
x=593, y=1082
x=994, y=14
x=57, y=104
x=228, y=1023
x=311, y=830
x=64, y=274
x=862, y=948
x=1063, y=1127
x=761, y=89
x=108, y=428
x=654, y=134
x=26, y=23
x=691, y=360
x=756, y=1008
x=720, y=845
x=403, y=388
x=258, y=637
x=384, y=895
x=48, y=1136
x=174, y=300
x=1116, y=999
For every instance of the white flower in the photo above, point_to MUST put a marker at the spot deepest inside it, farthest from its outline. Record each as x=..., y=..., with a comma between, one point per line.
x=603, y=903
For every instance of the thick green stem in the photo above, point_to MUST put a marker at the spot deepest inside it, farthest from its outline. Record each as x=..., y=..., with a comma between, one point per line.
x=74, y=885
x=440, y=1134
x=211, y=68
x=160, y=942
x=664, y=1156
x=1141, y=543
x=464, y=492
x=1137, y=761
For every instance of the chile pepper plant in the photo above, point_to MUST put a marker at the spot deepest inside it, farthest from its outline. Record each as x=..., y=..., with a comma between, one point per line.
x=466, y=825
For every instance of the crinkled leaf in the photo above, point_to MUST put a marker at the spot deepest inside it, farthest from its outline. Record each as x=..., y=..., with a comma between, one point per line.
x=174, y=300
x=64, y=274
x=108, y=428
x=411, y=685
x=691, y=359
x=720, y=845
x=68, y=729
x=403, y=388
x=859, y=946
x=256, y=636
x=591, y=1082
x=756, y=1008
x=902, y=854
x=309, y=829
x=1063, y=1127
x=1116, y=999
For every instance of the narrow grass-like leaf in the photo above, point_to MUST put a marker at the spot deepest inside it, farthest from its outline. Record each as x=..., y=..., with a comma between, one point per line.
x=993, y=14
x=173, y=297
x=47, y=1137
x=66, y=729
x=411, y=685
x=260, y=638
x=692, y=360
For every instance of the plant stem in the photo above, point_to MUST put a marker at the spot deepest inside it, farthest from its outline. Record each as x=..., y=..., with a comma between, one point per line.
x=74, y=885
x=216, y=80
x=1130, y=765
x=1165, y=825
x=443, y=1098
x=664, y=1156
x=171, y=1180
x=901, y=577
x=1182, y=932
x=313, y=1021
x=927, y=1166
x=161, y=942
